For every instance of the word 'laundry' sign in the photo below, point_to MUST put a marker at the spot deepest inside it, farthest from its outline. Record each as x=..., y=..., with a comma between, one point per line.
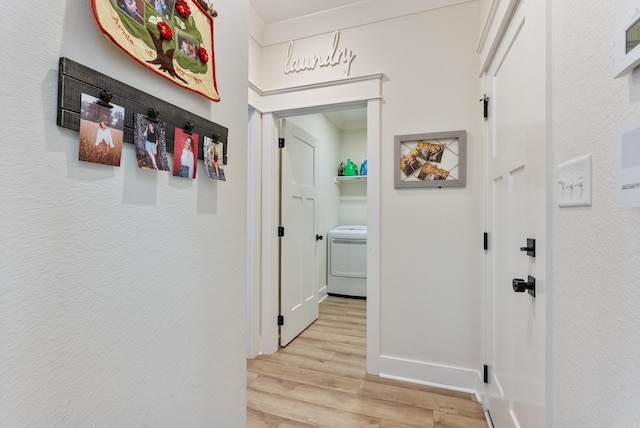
x=333, y=58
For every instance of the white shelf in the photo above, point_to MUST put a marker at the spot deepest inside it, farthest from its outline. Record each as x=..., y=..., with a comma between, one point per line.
x=345, y=178
x=352, y=187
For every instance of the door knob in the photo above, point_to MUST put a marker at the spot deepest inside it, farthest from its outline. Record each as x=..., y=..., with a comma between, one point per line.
x=318, y=237
x=520, y=285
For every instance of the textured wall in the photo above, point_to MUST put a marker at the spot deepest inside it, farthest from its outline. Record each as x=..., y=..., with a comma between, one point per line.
x=596, y=262
x=122, y=292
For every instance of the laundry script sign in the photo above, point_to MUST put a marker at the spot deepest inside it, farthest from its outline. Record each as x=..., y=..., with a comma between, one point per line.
x=333, y=58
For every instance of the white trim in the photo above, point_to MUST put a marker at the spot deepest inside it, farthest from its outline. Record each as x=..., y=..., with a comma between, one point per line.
x=269, y=215
x=374, y=132
x=424, y=373
x=549, y=403
x=496, y=26
x=316, y=96
x=277, y=104
x=254, y=161
x=488, y=24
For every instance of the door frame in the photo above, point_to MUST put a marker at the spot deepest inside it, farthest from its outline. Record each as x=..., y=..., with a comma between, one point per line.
x=265, y=110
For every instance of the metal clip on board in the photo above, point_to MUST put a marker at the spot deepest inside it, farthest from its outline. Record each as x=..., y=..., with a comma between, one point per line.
x=188, y=128
x=105, y=99
x=153, y=115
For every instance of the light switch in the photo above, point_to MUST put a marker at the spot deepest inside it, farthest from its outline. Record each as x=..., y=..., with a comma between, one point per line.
x=574, y=182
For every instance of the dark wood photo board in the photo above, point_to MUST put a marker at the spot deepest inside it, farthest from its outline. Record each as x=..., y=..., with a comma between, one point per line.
x=75, y=79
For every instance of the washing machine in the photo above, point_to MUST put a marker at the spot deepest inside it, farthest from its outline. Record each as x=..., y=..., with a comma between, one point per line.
x=347, y=261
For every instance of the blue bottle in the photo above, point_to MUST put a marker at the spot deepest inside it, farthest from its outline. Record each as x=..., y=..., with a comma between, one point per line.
x=363, y=168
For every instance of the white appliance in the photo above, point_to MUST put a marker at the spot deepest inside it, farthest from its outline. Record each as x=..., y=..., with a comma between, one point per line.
x=347, y=261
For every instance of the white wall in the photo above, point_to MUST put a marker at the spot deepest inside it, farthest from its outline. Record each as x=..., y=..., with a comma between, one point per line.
x=429, y=238
x=353, y=201
x=596, y=262
x=122, y=299
x=353, y=145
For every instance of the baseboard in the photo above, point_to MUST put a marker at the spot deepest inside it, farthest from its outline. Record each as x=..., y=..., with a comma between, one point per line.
x=440, y=376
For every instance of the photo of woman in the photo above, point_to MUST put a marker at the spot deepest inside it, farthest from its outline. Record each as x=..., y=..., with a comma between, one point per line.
x=103, y=135
x=185, y=154
x=213, y=159
x=101, y=132
x=150, y=142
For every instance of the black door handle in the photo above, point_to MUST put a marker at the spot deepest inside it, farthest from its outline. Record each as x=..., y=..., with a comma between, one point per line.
x=530, y=248
x=318, y=237
x=520, y=285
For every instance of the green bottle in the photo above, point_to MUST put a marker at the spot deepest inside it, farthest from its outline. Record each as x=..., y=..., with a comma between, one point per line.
x=351, y=168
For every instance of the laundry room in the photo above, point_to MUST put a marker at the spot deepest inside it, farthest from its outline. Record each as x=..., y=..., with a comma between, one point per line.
x=341, y=198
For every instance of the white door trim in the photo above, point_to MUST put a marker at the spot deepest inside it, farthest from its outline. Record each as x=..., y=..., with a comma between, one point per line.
x=263, y=203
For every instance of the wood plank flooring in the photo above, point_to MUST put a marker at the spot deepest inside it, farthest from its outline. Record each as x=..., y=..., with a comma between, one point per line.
x=320, y=380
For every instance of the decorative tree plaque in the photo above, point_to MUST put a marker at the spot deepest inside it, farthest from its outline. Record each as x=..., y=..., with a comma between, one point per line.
x=174, y=38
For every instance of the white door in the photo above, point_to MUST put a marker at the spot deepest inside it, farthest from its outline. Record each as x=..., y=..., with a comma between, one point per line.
x=516, y=149
x=298, y=287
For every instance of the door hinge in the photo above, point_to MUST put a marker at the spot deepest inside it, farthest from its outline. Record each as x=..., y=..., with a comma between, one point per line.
x=281, y=143
x=280, y=231
x=486, y=374
x=486, y=241
x=485, y=100
x=280, y=320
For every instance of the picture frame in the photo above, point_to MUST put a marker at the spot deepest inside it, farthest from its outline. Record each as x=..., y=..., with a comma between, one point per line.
x=430, y=160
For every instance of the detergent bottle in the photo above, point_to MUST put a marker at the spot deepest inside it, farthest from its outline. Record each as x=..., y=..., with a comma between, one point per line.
x=363, y=168
x=350, y=168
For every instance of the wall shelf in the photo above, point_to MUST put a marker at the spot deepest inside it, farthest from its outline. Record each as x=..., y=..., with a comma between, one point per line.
x=347, y=178
x=352, y=188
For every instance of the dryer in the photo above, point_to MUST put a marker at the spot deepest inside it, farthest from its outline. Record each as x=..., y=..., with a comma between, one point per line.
x=347, y=261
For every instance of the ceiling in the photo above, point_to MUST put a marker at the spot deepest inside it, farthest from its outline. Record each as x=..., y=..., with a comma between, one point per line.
x=280, y=21
x=272, y=11
x=350, y=119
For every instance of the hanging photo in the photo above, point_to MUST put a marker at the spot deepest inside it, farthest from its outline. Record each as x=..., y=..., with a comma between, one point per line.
x=101, y=131
x=150, y=142
x=185, y=154
x=213, y=159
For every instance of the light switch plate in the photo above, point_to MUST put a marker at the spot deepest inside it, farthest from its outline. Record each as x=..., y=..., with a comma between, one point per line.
x=574, y=182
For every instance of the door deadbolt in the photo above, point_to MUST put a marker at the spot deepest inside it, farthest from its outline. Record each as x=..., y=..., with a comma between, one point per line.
x=530, y=248
x=520, y=285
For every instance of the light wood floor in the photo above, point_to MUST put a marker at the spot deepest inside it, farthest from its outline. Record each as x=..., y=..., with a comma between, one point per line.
x=320, y=380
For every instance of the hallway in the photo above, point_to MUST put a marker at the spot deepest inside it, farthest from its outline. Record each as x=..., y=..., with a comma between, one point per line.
x=320, y=379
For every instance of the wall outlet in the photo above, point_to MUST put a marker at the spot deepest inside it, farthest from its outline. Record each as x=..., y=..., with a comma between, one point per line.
x=574, y=182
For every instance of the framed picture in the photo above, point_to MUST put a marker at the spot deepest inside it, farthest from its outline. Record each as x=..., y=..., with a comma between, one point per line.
x=437, y=159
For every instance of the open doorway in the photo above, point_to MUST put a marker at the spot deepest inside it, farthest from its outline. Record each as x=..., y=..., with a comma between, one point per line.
x=321, y=206
x=265, y=113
